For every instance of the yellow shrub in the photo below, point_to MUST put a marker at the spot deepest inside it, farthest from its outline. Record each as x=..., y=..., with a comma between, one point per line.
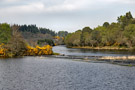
x=57, y=37
x=32, y=51
x=2, y=50
x=45, y=50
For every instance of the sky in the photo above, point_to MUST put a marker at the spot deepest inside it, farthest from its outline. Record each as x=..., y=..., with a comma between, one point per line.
x=67, y=15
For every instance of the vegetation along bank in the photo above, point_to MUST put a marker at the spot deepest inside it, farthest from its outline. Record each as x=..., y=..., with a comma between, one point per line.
x=116, y=35
x=28, y=40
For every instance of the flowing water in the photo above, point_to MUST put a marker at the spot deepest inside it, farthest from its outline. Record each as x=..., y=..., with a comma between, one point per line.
x=47, y=73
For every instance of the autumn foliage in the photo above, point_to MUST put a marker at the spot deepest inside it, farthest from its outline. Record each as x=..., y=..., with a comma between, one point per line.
x=2, y=50
x=57, y=37
x=45, y=50
x=15, y=45
x=31, y=51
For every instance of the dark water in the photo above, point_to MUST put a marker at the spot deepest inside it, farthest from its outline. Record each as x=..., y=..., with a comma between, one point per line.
x=35, y=73
x=89, y=52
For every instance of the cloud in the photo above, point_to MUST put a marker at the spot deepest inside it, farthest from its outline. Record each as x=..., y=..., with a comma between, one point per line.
x=41, y=7
x=62, y=14
x=119, y=1
x=28, y=8
x=65, y=5
x=10, y=1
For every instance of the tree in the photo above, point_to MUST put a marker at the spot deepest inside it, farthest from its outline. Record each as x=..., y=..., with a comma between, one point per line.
x=5, y=33
x=125, y=20
x=47, y=31
x=16, y=46
x=45, y=42
x=117, y=34
x=62, y=33
x=95, y=38
x=85, y=30
x=73, y=39
x=129, y=15
x=133, y=21
x=102, y=34
x=106, y=24
x=129, y=33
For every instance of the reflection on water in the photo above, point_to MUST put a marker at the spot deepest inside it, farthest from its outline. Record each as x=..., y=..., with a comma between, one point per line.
x=89, y=52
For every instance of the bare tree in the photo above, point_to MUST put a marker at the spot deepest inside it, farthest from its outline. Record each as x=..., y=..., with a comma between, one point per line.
x=16, y=45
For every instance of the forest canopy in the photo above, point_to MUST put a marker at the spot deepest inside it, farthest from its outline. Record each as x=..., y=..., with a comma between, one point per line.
x=119, y=34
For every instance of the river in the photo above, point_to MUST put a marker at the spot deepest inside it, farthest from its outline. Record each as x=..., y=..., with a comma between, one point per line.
x=89, y=52
x=47, y=73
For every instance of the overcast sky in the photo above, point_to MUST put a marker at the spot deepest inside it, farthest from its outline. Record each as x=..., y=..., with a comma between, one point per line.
x=69, y=15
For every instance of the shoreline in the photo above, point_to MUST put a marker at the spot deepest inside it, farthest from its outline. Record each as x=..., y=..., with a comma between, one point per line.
x=123, y=60
x=117, y=60
x=103, y=48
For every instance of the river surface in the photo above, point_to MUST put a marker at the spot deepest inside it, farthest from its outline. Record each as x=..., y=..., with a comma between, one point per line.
x=89, y=52
x=47, y=73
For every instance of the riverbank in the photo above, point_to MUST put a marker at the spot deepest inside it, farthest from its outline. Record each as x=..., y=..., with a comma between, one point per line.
x=119, y=60
x=103, y=48
x=122, y=57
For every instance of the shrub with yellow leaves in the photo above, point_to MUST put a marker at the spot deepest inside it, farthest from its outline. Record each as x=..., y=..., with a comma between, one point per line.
x=31, y=51
x=57, y=37
x=2, y=50
x=45, y=50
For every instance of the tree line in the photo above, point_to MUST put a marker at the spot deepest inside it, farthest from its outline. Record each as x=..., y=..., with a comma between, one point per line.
x=35, y=29
x=20, y=40
x=118, y=34
x=38, y=35
x=13, y=44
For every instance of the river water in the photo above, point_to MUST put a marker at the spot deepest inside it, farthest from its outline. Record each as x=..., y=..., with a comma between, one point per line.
x=46, y=73
x=88, y=52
